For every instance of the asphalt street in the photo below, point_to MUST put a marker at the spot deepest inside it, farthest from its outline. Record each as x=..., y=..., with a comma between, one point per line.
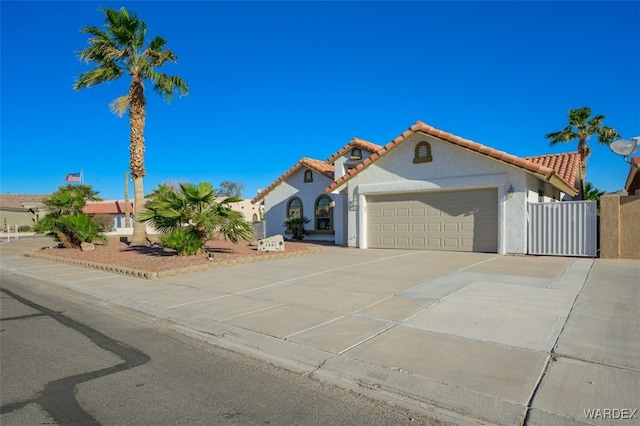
x=69, y=360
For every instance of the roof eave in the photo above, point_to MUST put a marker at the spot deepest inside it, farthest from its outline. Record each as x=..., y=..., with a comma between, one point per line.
x=555, y=180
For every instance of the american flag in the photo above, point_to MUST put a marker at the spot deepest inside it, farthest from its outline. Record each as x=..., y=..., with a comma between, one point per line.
x=74, y=177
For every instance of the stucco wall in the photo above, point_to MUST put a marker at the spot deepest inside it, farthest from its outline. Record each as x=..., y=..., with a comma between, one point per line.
x=13, y=218
x=275, y=205
x=451, y=168
x=620, y=227
x=339, y=163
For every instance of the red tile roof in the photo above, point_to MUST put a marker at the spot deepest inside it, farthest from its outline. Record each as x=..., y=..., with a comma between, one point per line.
x=566, y=166
x=106, y=207
x=354, y=143
x=527, y=165
x=317, y=165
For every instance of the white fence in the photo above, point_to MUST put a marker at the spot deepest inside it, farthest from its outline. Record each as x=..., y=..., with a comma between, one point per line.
x=567, y=228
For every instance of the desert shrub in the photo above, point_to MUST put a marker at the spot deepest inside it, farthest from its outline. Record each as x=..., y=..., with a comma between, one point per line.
x=184, y=240
x=24, y=228
x=104, y=220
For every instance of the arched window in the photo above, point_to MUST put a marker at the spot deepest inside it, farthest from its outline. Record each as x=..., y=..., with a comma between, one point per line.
x=308, y=176
x=323, y=214
x=356, y=154
x=294, y=207
x=423, y=153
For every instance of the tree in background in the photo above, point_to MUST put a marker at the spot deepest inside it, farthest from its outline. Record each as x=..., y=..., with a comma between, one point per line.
x=188, y=217
x=65, y=221
x=592, y=193
x=230, y=189
x=582, y=127
x=120, y=50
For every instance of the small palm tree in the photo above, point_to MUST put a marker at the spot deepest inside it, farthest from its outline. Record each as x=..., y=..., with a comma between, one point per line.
x=592, y=193
x=582, y=127
x=120, y=50
x=65, y=221
x=70, y=199
x=190, y=216
x=296, y=225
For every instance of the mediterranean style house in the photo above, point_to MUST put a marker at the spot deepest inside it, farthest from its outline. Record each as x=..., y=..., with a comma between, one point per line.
x=426, y=189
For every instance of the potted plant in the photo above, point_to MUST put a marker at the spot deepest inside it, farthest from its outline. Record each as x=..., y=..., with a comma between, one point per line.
x=296, y=225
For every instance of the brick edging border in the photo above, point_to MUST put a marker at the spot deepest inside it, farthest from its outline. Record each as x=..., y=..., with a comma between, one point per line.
x=139, y=273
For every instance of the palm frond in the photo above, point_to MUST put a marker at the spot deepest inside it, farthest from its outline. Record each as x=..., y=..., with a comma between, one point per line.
x=97, y=76
x=120, y=105
x=607, y=134
x=565, y=135
x=166, y=86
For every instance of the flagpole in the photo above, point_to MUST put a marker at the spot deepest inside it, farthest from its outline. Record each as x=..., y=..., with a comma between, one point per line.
x=81, y=177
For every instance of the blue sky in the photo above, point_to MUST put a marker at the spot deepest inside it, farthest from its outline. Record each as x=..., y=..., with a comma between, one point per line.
x=271, y=82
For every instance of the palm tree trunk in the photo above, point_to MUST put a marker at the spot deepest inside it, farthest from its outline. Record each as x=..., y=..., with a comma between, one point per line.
x=140, y=237
x=137, y=112
x=583, y=151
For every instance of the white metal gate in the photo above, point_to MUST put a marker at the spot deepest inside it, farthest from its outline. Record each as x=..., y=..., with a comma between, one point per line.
x=568, y=228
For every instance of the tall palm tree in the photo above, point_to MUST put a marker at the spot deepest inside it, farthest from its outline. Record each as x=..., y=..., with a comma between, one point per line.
x=581, y=127
x=120, y=50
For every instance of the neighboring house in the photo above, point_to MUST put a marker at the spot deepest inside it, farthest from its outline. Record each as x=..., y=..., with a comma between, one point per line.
x=115, y=208
x=426, y=189
x=251, y=212
x=20, y=210
x=632, y=185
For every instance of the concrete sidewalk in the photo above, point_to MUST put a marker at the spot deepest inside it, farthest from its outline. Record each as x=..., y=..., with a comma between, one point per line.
x=475, y=338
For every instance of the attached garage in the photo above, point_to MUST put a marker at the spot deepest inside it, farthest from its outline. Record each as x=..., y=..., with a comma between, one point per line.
x=448, y=220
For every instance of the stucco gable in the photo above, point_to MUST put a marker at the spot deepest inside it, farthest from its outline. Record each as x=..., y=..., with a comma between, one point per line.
x=320, y=167
x=354, y=143
x=528, y=166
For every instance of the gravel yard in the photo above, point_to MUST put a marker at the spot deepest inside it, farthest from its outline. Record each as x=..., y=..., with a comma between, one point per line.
x=155, y=258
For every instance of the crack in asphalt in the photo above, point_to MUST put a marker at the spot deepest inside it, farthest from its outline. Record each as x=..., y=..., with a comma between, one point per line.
x=58, y=397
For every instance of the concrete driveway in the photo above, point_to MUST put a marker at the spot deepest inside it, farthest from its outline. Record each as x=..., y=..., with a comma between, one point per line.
x=474, y=338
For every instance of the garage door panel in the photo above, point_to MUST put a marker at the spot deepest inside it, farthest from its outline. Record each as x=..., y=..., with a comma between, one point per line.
x=418, y=227
x=402, y=242
x=467, y=227
x=454, y=220
x=418, y=242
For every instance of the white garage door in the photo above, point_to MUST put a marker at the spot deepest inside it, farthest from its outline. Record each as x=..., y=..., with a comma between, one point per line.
x=452, y=220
